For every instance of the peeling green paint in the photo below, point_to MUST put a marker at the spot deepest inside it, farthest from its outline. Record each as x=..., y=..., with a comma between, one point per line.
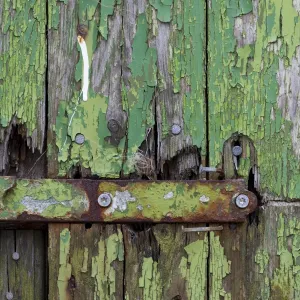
x=23, y=67
x=45, y=198
x=103, y=271
x=150, y=280
x=65, y=268
x=163, y=9
x=243, y=88
x=194, y=268
x=84, y=268
x=219, y=268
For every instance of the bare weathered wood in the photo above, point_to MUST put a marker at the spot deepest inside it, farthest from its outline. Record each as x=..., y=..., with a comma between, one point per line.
x=24, y=274
x=85, y=263
x=167, y=263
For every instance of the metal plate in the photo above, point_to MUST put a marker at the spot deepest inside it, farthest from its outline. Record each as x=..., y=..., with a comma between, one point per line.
x=51, y=200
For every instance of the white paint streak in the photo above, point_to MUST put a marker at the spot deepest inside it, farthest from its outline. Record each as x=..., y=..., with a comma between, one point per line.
x=120, y=202
x=296, y=4
x=204, y=199
x=85, y=76
x=288, y=99
x=38, y=206
x=169, y=195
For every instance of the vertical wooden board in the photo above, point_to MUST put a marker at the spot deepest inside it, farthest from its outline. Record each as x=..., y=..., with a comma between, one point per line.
x=163, y=262
x=273, y=253
x=24, y=278
x=85, y=263
x=22, y=84
x=253, y=87
x=141, y=54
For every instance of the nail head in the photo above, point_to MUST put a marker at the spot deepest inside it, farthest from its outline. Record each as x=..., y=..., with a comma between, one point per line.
x=237, y=150
x=104, y=200
x=176, y=129
x=79, y=139
x=15, y=256
x=242, y=201
x=9, y=296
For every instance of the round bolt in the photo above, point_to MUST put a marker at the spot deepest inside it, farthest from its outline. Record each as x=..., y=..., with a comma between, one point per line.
x=79, y=139
x=104, y=200
x=15, y=256
x=237, y=150
x=9, y=296
x=176, y=129
x=242, y=201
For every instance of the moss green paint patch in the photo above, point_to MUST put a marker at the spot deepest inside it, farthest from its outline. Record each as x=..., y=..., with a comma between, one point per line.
x=109, y=250
x=65, y=268
x=194, y=268
x=23, y=66
x=150, y=280
x=219, y=268
x=243, y=89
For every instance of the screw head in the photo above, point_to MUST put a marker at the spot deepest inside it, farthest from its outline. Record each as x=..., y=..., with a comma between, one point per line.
x=237, y=150
x=9, y=296
x=242, y=201
x=79, y=139
x=176, y=129
x=15, y=256
x=104, y=199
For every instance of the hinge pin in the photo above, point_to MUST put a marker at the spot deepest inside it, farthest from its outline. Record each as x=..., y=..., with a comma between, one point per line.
x=236, y=151
x=209, y=169
x=202, y=229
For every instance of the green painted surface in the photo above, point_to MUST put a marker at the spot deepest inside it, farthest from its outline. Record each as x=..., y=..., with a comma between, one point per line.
x=243, y=88
x=109, y=250
x=65, y=268
x=46, y=198
x=194, y=268
x=23, y=66
x=219, y=268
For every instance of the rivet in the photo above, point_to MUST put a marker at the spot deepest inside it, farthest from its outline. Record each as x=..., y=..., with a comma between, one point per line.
x=15, y=256
x=9, y=296
x=237, y=150
x=176, y=129
x=242, y=201
x=104, y=199
x=79, y=139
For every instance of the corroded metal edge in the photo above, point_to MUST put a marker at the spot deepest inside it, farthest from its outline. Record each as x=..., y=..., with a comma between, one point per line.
x=59, y=200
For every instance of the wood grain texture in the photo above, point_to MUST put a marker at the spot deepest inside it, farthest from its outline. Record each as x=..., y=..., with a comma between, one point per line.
x=25, y=278
x=85, y=263
x=253, y=83
x=143, y=78
x=22, y=86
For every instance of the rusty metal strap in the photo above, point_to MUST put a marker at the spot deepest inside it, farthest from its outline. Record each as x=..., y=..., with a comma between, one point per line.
x=57, y=200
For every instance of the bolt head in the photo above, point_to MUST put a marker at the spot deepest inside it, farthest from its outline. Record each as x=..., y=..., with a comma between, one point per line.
x=242, y=201
x=176, y=129
x=104, y=200
x=9, y=296
x=15, y=256
x=237, y=150
x=79, y=139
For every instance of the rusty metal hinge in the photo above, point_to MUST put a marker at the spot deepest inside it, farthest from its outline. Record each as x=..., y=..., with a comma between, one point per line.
x=83, y=200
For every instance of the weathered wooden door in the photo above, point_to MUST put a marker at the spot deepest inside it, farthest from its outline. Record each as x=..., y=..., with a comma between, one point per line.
x=150, y=89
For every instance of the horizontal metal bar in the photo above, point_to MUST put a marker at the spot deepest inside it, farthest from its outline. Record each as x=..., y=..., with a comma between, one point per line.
x=83, y=200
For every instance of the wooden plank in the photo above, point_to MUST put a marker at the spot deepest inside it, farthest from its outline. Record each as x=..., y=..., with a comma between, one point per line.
x=166, y=262
x=22, y=87
x=85, y=263
x=23, y=277
x=141, y=72
x=253, y=88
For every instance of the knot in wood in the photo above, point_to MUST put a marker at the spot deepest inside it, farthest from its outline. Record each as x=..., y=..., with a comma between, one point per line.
x=82, y=30
x=113, y=126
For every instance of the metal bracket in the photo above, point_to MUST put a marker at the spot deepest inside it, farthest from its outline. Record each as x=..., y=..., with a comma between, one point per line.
x=83, y=200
